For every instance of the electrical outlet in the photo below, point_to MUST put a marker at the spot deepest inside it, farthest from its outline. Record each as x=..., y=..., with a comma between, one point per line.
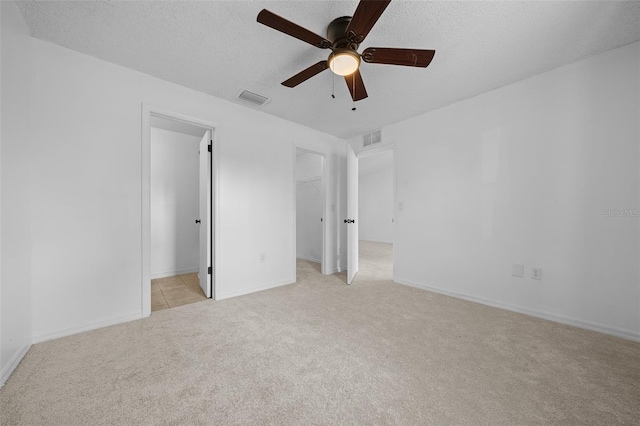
x=263, y=257
x=517, y=270
x=536, y=273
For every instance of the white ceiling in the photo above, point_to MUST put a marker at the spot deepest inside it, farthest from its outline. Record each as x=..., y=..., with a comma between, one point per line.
x=217, y=47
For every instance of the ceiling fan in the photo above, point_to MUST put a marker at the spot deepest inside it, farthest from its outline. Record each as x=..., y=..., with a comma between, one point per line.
x=344, y=36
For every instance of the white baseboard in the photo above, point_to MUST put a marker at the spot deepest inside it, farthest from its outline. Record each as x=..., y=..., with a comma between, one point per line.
x=106, y=322
x=263, y=287
x=377, y=241
x=13, y=364
x=575, y=322
x=157, y=275
x=310, y=259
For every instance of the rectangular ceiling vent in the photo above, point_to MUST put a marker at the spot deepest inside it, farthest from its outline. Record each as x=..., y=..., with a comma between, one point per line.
x=253, y=98
x=372, y=138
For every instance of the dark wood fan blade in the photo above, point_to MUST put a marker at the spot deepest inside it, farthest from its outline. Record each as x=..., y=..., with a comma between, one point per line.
x=306, y=74
x=356, y=86
x=391, y=56
x=364, y=18
x=276, y=22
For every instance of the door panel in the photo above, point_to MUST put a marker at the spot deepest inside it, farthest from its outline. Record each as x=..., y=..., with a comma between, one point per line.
x=205, y=215
x=352, y=214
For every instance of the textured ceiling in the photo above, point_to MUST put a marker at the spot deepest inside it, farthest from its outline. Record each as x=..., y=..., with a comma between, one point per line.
x=219, y=48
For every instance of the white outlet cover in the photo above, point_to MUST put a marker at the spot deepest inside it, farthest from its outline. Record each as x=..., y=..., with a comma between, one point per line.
x=536, y=273
x=517, y=270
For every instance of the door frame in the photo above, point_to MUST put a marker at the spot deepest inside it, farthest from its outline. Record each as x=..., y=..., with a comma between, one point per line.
x=147, y=112
x=323, y=263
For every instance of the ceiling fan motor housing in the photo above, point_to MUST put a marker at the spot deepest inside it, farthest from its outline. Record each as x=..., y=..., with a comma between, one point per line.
x=337, y=34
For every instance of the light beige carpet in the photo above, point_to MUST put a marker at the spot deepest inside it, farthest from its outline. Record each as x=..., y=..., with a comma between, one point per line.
x=322, y=352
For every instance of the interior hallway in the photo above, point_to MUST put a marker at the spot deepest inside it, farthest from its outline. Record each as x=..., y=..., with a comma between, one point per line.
x=178, y=290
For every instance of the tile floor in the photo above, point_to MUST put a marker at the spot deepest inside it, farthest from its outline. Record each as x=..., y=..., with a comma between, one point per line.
x=175, y=291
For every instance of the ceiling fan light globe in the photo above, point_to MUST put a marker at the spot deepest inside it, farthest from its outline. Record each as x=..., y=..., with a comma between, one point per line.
x=344, y=62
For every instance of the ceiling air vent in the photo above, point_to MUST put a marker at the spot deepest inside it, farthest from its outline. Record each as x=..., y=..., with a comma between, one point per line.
x=372, y=138
x=253, y=98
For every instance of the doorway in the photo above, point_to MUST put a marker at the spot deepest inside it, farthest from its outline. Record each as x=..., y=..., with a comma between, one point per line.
x=178, y=210
x=309, y=195
x=376, y=216
x=371, y=214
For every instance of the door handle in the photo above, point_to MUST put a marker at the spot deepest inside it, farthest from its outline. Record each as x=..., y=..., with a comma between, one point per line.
x=197, y=220
x=349, y=221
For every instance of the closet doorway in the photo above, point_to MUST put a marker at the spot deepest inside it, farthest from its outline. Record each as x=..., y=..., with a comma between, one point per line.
x=309, y=195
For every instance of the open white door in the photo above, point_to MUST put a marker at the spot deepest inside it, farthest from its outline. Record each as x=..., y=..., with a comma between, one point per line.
x=352, y=214
x=204, y=272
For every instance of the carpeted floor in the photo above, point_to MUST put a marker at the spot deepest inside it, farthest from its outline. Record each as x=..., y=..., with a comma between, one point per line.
x=322, y=352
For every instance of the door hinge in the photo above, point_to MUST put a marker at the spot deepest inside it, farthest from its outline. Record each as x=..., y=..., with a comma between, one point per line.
x=209, y=148
x=209, y=270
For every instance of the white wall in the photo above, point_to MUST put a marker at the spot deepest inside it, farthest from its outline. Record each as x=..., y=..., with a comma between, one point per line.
x=525, y=174
x=174, y=203
x=375, y=205
x=309, y=206
x=87, y=176
x=15, y=220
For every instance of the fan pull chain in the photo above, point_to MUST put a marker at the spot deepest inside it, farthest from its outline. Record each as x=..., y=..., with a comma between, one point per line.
x=353, y=80
x=333, y=86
